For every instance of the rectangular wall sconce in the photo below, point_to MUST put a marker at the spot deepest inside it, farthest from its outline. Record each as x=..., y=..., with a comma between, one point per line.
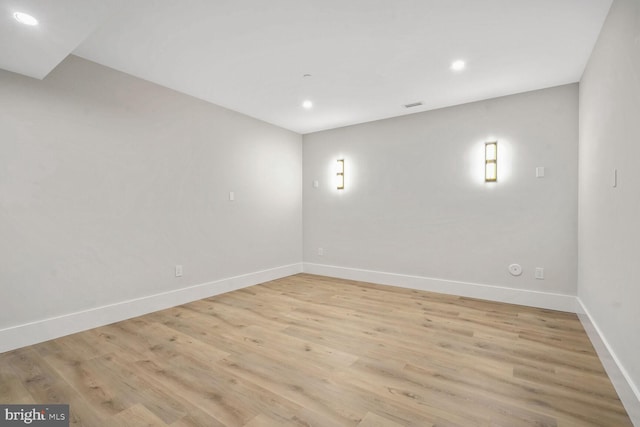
x=491, y=161
x=340, y=175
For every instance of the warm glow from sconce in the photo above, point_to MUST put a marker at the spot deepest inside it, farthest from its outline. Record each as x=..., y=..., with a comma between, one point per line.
x=491, y=161
x=490, y=172
x=340, y=175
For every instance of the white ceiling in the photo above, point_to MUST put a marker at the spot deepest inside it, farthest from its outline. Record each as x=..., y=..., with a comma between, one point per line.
x=367, y=58
x=63, y=25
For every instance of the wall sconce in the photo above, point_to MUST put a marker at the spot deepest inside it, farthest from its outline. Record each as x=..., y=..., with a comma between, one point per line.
x=340, y=175
x=491, y=161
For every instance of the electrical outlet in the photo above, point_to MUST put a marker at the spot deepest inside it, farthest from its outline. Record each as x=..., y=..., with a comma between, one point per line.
x=178, y=271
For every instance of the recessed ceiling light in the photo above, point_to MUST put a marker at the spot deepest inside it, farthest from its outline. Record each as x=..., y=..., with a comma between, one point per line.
x=307, y=105
x=458, y=65
x=25, y=18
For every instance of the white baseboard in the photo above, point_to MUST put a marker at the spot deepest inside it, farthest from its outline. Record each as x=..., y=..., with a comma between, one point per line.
x=546, y=300
x=628, y=392
x=47, y=329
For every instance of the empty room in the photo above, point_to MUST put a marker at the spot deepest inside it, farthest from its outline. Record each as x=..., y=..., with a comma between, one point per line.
x=320, y=213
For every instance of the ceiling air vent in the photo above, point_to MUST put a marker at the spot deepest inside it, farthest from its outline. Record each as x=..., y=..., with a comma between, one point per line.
x=413, y=104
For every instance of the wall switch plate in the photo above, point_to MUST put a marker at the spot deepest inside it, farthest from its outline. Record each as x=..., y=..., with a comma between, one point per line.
x=320, y=251
x=178, y=271
x=540, y=273
x=540, y=172
x=316, y=184
x=232, y=196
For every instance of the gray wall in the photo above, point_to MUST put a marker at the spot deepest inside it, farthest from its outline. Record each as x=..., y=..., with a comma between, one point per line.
x=416, y=203
x=107, y=182
x=609, y=232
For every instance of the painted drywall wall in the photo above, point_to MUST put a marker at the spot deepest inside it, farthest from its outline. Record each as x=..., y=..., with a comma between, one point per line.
x=609, y=217
x=107, y=182
x=415, y=201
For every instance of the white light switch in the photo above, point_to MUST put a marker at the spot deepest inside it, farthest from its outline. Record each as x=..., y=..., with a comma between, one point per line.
x=178, y=271
x=320, y=251
x=232, y=196
x=539, y=273
x=540, y=172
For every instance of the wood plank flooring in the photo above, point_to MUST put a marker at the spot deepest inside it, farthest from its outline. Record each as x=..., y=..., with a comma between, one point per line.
x=314, y=351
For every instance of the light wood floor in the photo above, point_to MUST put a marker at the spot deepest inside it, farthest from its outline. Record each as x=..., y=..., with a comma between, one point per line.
x=313, y=351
